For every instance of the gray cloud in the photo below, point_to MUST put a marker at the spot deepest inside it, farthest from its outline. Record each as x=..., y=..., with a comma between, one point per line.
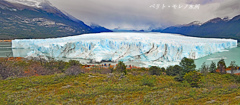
x=231, y=8
x=136, y=14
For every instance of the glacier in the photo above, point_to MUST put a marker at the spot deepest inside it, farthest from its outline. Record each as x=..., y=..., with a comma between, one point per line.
x=149, y=48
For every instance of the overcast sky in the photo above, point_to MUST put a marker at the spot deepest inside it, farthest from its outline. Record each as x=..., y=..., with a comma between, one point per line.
x=144, y=14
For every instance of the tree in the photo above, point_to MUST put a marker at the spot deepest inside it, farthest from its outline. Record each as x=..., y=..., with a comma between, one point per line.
x=154, y=70
x=233, y=66
x=174, y=70
x=121, y=67
x=204, y=69
x=193, y=78
x=163, y=69
x=187, y=65
x=212, y=68
x=222, y=66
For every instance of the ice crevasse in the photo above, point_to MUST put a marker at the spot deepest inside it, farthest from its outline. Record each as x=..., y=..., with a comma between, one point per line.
x=142, y=47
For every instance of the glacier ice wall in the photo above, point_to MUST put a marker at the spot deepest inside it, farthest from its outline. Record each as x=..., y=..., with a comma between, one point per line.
x=142, y=47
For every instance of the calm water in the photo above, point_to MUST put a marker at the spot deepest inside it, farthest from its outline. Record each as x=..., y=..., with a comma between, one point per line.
x=231, y=55
x=5, y=49
x=228, y=56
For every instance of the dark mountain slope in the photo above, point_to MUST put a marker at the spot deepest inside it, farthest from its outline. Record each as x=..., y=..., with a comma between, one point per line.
x=214, y=28
x=21, y=21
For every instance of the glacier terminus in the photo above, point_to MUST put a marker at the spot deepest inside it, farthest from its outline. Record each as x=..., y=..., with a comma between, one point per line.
x=159, y=49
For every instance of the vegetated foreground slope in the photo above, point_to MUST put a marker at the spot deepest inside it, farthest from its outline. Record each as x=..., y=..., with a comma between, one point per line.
x=58, y=82
x=111, y=89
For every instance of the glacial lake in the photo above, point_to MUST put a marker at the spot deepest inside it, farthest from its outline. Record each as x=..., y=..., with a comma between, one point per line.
x=229, y=55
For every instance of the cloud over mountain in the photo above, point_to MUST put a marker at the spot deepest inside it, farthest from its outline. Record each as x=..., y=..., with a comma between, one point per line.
x=137, y=14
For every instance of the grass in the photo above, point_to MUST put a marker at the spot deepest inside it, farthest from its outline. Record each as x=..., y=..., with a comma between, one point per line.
x=92, y=88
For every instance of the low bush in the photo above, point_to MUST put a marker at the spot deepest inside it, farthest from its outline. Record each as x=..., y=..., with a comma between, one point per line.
x=74, y=63
x=74, y=70
x=173, y=70
x=238, y=79
x=193, y=78
x=154, y=70
x=148, y=81
x=121, y=67
x=8, y=70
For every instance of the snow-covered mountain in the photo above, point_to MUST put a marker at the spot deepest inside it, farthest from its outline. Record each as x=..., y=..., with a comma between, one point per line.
x=214, y=28
x=37, y=19
x=32, y=3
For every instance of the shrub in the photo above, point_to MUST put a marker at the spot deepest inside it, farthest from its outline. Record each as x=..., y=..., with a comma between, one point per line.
x=179, y=77
x=238, y=79
x=154, y=70
x=59, y=76
x=8, y=69
x=173, y=70
x=0, y=77
x=74, y=63
x=61, y=65
x=37, y=69
x=193, y=78
x=163, y=69
x=121, y=67
x=148, y=81
x=73, y=70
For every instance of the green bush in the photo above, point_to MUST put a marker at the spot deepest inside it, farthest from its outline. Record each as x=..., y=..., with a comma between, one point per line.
x=121, y=67
x=173, y=70
x=148, y=81
x=61, y=65
x=238, y=79
x=154, y=70
x=179, y=77
x=74, y=63
x=193, y=78
x=163, y=69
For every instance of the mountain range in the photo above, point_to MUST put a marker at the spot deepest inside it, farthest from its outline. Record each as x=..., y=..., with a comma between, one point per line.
x=39, y=19
x=214, y=28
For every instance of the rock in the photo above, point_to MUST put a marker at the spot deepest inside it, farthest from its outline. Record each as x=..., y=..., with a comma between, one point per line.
x=90, y=76
x=210, y=102
x=237, y=97
x=110, y=75
x=65, y=87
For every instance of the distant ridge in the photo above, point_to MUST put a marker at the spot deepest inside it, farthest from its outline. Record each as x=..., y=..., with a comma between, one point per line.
x=214, y=28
